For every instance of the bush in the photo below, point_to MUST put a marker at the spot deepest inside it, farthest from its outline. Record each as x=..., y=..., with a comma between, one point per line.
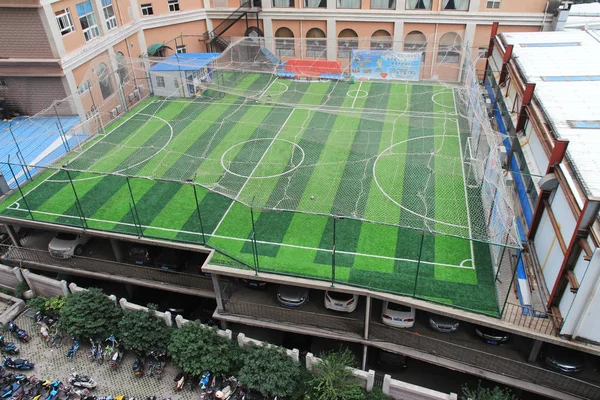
x=481, y=393
x=90, y=314
x=143, y=332
x=335, y=381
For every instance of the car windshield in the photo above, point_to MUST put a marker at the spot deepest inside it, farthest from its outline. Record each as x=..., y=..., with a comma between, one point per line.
x=66, y=236
x=137, y=251
x=398, y=307
x=340, y=296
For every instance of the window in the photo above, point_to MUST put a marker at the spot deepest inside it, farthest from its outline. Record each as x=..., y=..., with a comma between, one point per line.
x=385, y=4
x=84, y=87
x=347, y=41
x=461, y=5
x=109, y=14
x=316, y=44
x=449, y=48
x=482, y=52
x=65, y=22
x=87, y=20
x=315, y=3
x=283, y=3
x=416, y=41
x=348, y=3
x=122, y=68
x=160, y=81
x=284, y=42
x=105, y=81
x=173, y=5
x=418, y=4
x=147, y=9
x=181, y=49
x=493, y=4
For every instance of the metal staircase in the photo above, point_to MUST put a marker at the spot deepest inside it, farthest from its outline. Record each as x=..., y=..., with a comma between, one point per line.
x=214, y=39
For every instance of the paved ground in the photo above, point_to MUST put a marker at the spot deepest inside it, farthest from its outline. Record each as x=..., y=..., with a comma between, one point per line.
x=51, y=363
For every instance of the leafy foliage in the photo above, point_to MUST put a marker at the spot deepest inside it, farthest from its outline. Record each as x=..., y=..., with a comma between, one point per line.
x=20, y=289
x=481, y=393
x=196, y=349
x=90, y=314
x=143, y=332
x=53, y=305
x=334, y=381
x=37, y=303
x=377, y=394
x=270, y=371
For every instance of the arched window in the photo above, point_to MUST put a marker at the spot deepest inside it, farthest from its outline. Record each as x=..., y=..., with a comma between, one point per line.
x=316, y=44
x=104, y=79
x=284, y=42
x=381, y=40
x=416, y=41
x=347, y=41
x=450, y=47
x=122, y=67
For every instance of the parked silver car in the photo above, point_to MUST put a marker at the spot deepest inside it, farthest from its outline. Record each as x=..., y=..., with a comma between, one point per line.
x=292, y=296
x=66, y=245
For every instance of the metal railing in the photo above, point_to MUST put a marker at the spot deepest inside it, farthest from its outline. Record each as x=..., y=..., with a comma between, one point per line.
x=527, y=317
x=40, y=259
x=295, y=317
x=486, y=361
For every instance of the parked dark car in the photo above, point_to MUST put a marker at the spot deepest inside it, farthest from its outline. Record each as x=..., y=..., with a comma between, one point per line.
x=140, y=254
x=563, y=360
x=292, y=296
x=491, y=335
x=195, y=261
x=170, y=259
x=253, y=284
x=442, y=323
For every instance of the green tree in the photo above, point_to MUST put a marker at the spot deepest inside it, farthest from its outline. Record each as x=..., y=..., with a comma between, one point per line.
x=377, y=394
x=38, y=304
x=53, y=305
x=196, y=349
x=270, y=371
x=333, y=380
x=90, y=314
x=481, y=393
x=143, y=332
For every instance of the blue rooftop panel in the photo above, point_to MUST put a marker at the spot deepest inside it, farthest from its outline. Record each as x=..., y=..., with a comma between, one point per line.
x=185, y=62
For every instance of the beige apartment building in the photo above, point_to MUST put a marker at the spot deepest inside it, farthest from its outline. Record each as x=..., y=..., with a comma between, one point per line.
x=51, y=49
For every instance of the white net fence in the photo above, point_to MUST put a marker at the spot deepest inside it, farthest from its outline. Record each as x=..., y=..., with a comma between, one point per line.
x=383, y=132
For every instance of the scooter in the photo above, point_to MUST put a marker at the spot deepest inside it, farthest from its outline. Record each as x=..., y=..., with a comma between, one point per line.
x=138, y=367
x=21, y=334
x=179, y=381
x=116, y=358
x=19, y=363
x=82, y=381
x=8, y=347
x=70, y=354
x=55, y=388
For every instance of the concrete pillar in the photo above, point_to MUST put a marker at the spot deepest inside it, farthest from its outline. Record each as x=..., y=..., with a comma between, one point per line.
x=51, y=27
x=331, y=37
x=218, y=293
x=386, y=384
x=370, y=380
x=100, y=20
x=295, y=355
x=119, y=255
x=269, y=34
x=311, y=360
x=224, y=325
x=535, y=351
x=168, y=318
x=400, y=5
x=364, y=357
x=398, y=36
x=367, y=317
x=14, y=236
x=179, y=321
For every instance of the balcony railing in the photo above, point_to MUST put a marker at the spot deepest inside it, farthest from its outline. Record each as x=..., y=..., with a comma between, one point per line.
x=40, y=259
x=527, y=317
x=486, y=361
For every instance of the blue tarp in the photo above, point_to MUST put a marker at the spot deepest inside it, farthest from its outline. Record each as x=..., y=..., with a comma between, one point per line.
x=185, y=62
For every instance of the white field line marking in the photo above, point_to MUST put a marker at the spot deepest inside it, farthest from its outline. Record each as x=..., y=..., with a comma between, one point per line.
x=80, y=154
x=267, y=89
x=247, y=240
x=462, y=164
x=252, y=173
x=357, y=92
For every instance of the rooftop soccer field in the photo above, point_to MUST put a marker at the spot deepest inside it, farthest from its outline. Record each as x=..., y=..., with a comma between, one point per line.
x=378, y=166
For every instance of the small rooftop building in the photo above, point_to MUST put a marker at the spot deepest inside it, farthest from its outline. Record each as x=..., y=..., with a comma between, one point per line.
x=181, y=75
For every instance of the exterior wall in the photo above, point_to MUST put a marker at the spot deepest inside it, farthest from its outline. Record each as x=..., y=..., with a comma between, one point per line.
x=161, y=7
x=167, y=34
x=548, y=250
x=23, y=34
x=529, y=6
x=30, y=95
x=173, y=83
x=73, y=40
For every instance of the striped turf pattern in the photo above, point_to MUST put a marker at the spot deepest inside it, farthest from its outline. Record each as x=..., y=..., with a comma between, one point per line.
x=379, y=256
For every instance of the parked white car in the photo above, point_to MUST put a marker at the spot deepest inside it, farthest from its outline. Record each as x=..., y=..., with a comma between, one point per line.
x=343, y=302
x=397, y=315
x=66, y=245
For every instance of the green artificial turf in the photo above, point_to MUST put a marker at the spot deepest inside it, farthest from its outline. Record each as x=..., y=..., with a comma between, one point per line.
x=387, y=153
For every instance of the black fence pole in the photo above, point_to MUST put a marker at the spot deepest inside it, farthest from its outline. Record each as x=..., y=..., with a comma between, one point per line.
x=77, y=202
x=418, y=264
x=135, y=211
x=198, y=210
x=333, y=251
x=19, y=152
x=512, y=282
x=254, y=244
x=20, y=190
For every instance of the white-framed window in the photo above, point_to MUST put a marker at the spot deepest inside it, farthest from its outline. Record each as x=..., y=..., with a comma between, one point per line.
x=181, y=49
x=84, y=87
x=348, y=3
x=173, y=5
x=418, y=4
x=482, y=52
x=461, y=5
x=383, y=4
x=109, y=14
x=147, y=9
x=87, y=19
x=160, y=81
x=493, y=4
x=65, y=22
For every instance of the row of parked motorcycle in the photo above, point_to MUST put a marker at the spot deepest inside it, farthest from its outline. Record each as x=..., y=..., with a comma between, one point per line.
x=21, y=387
